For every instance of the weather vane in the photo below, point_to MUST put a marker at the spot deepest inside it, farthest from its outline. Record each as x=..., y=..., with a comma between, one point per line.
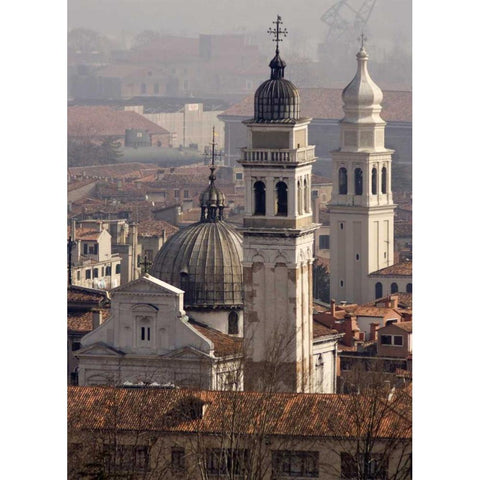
x=277, y=31
x=363, y=39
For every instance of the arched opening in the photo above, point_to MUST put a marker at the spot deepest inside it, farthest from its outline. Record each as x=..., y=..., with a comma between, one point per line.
x=358, y=181
x=259, y=198
x=299, y=198
x=374, y=181
x=282, y=199
x=342, y=181
x=384, y=180
x=409, y=288
x=393, y=288
x=378, y=290
x=233, y=323
x=306, y=197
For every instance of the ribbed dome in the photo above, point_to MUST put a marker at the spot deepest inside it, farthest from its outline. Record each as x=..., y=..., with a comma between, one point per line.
x=277, y=99
x=362, y=97
x=204, y=260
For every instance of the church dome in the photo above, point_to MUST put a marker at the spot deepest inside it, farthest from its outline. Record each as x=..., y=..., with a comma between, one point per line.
x=277, y=99
x=204, y=260
x=362, y=97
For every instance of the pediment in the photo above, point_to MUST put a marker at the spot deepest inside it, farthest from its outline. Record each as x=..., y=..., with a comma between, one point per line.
x=148, y=285
x=99, y=349
x=187, y=353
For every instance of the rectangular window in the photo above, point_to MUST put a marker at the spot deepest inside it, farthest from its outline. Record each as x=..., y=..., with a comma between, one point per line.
x=178, y=458
x=78, y=274
x=176, y=193
x=239, y=176
x=398, y=340
x=95, y=273
x=294, y=464
x=85, y=249
x=108, y=271
x=226, y=461
x=145, y=334
x=186, y=194
x=386, y=339
x=372, y=466
x=88, y=274
x=117, y=268
x=324, y=242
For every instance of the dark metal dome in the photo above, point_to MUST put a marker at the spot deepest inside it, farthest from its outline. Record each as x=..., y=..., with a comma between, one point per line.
x=277, y=99
x=205, y=261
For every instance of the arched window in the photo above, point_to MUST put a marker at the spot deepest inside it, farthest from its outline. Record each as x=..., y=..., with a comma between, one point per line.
x=342, y=181
x=409, y=288
x=374, y=181
x=282, y=199
x=384, y=180
x=259, y=193
x=233, y=323
x=393, y=288
x=358, y=181
x=378, y=290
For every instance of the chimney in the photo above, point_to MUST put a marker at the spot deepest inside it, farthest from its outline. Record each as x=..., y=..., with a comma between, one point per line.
x=96, y=319
x=373, y=331
x=393, y=301
x=332, y=306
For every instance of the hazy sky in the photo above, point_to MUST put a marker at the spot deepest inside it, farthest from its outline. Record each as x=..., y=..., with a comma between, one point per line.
x=390, y=20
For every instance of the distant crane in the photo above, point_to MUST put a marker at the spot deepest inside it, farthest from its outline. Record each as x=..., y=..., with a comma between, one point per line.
x=339, y=18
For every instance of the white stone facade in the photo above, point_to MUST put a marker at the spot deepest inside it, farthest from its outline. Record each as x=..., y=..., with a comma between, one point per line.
x=148, y=338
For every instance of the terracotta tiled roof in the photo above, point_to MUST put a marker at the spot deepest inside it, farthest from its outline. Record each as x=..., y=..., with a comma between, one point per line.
x=366, y=311
x=296, y=414
x=83, y=321
x=87, y=296
x=327, y=103
x=223, y=344
x=320, y=330
x=85, y=233
x=133, y=170
x=407, y=326
x=99, y=121
x=398, y=269
x=150, y=228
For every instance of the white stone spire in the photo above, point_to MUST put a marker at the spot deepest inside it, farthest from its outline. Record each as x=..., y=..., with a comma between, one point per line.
x=362, y=97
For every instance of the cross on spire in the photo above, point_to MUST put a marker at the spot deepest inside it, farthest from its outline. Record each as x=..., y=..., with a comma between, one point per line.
x=277, y=31
x=213, y=155
x=363, y=39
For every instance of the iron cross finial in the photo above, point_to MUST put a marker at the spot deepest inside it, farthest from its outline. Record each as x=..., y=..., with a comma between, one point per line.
x=277, y=31
x=363, y=39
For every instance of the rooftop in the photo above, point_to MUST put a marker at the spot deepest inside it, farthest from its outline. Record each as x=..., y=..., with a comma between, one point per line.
x=398, y=269
x=301, y=415
x=224, y=344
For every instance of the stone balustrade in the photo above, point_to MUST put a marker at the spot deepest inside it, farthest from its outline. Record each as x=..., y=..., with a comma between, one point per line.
x=282, y=155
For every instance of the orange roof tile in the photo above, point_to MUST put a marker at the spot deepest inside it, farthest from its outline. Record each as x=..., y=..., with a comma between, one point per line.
x=297, y=414
x=99, y=121
x=398, y=269
x=223, y=344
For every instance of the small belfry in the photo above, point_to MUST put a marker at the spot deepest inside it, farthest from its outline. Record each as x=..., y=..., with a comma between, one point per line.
x=278, y=236
x=361, y=207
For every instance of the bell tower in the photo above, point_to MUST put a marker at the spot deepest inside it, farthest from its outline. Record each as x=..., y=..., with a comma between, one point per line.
x=361, y=207
x=278, y=237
